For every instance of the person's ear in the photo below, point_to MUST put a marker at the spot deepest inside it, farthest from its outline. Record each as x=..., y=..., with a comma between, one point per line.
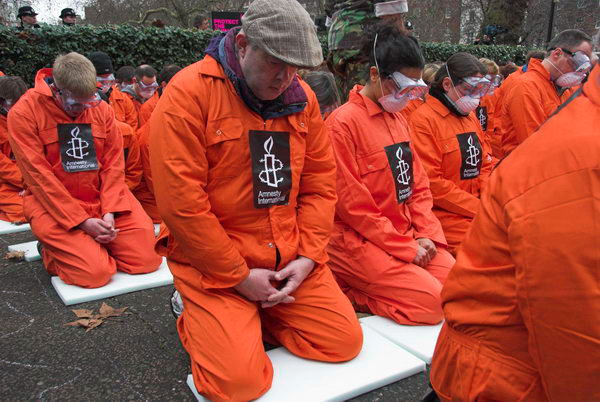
x=556, y=53
x=447, y=84
x=373, y=75
x=241, y=41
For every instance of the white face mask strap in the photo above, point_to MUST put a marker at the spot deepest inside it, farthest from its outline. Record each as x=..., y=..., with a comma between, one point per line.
x=451, y=81
x=554, y=65
x=376, y=64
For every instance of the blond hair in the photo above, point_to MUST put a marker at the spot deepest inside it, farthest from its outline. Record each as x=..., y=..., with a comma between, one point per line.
x=492, y=67
x=74, y=73
x=429, y=72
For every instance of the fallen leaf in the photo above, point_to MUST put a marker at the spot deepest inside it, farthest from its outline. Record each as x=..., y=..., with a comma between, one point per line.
x=89, y=320
x=83, y=313
x=107, y=311
x=15, y=255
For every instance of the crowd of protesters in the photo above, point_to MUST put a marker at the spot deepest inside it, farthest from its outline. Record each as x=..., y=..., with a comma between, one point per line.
x=458, y=190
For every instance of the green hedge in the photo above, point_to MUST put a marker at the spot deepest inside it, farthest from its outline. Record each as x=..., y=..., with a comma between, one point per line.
x=26, y=52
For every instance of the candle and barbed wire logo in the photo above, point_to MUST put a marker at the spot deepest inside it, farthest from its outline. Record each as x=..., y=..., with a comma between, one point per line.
x=272, y=166
x=77, y=148
x=483, y=117
x=403, y=169
x=77, y=145
x=400, y=160
x=473, y=153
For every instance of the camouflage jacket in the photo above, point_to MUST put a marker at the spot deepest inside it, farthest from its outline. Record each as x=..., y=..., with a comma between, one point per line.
x=351, y=18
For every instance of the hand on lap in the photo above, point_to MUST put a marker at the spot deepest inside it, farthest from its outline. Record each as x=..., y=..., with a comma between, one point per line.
x=295, y=273
x=429, y=246
x=422, y=258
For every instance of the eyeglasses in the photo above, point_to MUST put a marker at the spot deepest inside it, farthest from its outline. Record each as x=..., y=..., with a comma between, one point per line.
x=409, y=87
x=581, y=61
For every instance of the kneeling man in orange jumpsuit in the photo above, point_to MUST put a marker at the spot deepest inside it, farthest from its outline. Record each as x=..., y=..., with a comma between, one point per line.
x=11, y=182
x=387, y=248
x=71, y=157
x=244, y=178
x=522, y=304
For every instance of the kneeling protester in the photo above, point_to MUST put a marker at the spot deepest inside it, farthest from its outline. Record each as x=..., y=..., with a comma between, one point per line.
x=244, y=178
x=71, y=155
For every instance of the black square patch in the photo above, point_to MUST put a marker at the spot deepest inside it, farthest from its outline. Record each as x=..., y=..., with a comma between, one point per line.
x=77, y=150
x=400, y=159
x=271, y=168
x=470, y=150
x=482, y=115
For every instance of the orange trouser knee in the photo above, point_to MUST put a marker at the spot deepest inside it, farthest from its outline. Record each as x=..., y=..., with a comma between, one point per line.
x=11, y=206
x=386, y=286
x=221, y=331
x=79, y=260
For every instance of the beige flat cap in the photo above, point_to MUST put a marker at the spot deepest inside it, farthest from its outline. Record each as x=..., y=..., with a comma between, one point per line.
x=283, y=29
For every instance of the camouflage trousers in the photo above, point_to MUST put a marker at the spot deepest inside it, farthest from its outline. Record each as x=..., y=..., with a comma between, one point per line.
x=348, y=70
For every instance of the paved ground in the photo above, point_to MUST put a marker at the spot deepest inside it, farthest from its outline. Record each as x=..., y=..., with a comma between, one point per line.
x=137, y=358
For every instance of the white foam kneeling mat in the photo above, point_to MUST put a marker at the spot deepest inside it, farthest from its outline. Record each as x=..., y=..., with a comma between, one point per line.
x=7, y=227
x=419, y=340
x=29, y=248
x=119, y=284
x=295, y=379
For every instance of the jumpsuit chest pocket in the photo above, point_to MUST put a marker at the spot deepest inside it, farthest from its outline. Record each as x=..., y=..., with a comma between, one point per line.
x=227, y=149
x=369, y=164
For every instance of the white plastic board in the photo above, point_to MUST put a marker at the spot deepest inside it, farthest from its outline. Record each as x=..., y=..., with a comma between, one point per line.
x=119, y=284
x=295, y=379
x=29, y=248
x=7, y=227
x=418, y=340
x=156, y=229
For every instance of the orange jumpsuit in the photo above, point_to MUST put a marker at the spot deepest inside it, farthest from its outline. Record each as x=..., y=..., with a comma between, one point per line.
x=458, y=161
x=373, y=241
x=66, y=184
x=144, y=191
x=132, y=154
x=147, y=108
x=526, y=106
x=11, y=182
x=411, y=107
x=522, y=303
x=495, y=136
x=124, y=108
x=486, y=114
x=201, y=135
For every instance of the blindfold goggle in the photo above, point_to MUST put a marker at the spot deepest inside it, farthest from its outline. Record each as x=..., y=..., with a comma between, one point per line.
x=409, y=87
x=106, y=81
x=475, y=87
x=75, y=103
x=148, y=87
x=581, y=61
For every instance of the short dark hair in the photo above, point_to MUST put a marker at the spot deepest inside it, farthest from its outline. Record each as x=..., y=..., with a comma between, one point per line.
x=145, y=70
x=536, y=54
x=323, y=84
x=12, y=88
x=569, y=39
x=508, y=69
x=199, y=19
x=168, y=72
x=125, y=74
x=460, y=65
x=394, y=50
